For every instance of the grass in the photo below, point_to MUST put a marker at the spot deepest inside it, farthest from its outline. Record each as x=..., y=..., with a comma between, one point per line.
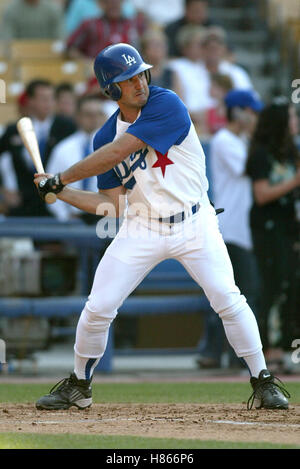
x=68, y=441
x=201, y=393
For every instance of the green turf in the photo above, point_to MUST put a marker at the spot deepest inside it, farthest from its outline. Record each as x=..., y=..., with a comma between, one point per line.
x=68, y=441
x=149, y=392
x=135, y=393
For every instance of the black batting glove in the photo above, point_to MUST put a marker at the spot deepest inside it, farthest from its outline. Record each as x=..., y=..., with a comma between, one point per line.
x=53, y=184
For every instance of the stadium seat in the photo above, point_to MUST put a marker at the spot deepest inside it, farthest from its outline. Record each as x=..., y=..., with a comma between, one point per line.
x=3, y=5
x=8, y=113
x=7, y=72
x=3, y=50
x=55, y=70
x=31, y=49
x=280, y=12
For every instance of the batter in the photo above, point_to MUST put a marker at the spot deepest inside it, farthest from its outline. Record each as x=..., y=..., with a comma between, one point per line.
x=150, y=164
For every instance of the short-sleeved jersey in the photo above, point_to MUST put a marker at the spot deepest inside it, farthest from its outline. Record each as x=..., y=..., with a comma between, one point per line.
x=167, y=175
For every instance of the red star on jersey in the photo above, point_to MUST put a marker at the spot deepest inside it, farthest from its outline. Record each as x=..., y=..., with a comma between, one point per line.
x=162, y=162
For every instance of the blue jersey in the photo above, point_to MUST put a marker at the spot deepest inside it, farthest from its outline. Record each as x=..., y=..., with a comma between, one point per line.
x=169, y=171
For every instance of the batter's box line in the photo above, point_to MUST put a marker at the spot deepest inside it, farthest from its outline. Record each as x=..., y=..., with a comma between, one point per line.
x=87, y=420
x=158, y=419
x=262, y=424
x=113, y=419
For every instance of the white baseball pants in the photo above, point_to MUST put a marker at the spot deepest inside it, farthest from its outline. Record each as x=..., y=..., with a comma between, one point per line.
x=199, y=246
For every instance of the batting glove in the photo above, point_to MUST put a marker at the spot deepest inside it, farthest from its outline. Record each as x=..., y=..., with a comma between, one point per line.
x=53, y=184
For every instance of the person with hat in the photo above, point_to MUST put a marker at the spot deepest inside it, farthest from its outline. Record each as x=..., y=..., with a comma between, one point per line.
x=231, y=189
x=149, y=152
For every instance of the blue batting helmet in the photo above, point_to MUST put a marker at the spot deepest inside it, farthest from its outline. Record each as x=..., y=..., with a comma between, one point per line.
x=117, y=63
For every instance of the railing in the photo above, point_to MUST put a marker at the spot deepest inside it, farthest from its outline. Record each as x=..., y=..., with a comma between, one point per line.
x=169, y=276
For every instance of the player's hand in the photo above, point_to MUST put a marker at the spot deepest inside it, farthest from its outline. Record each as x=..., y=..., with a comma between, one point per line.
x=39, y=177
x=49, y=184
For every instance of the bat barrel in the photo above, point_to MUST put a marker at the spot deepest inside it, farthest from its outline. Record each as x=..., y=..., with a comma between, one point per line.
x=28, y=136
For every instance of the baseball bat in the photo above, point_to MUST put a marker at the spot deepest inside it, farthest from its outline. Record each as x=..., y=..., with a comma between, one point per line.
x=28, y=136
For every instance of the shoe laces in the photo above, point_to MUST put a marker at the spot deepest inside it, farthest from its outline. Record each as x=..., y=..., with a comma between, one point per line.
x=269, y=384
x=62, y=385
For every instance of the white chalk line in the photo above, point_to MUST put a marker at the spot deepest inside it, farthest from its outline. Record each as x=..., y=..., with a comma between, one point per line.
x=262, y=424
x=157, y=419
x=115, y=419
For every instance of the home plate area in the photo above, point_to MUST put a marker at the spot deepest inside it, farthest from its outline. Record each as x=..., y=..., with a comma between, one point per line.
x=224, y=422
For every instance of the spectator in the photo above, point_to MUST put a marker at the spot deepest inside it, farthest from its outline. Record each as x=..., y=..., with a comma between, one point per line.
x=273, y=166
x=113, y=27
x=154, y=49
x=232, y=190
x=215, y=58
x=192, y=76
x=216, y=115
x=159, y=12
x=9, y=195
x=65, y=100
x=81, y=10
x=63, y=3
x=89, y=117
x=196, y=14
x=32, y=19
x=50, y=129
x=22, y=103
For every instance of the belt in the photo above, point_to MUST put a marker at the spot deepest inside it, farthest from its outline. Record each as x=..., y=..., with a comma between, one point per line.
x=179, y=217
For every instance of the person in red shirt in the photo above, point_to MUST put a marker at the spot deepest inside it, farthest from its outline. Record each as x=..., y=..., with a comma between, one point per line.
x=216, y=115
x=112, y=27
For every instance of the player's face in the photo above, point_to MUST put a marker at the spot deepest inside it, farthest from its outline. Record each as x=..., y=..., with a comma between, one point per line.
x=135, y=91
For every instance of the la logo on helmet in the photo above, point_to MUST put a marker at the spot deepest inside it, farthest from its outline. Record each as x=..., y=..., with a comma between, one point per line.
x=128, y=59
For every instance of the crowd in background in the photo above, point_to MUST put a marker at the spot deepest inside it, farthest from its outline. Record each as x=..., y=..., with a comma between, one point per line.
x=189, y=55
x=255, y=172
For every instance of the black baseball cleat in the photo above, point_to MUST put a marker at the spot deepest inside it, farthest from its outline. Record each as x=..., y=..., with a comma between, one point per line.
x=268, y=394
x=67, y=393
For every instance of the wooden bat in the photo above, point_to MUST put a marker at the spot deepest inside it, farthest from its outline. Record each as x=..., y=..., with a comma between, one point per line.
x=28, y=136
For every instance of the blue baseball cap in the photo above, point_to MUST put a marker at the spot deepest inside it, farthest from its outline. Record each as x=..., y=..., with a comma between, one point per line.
x=243, y=98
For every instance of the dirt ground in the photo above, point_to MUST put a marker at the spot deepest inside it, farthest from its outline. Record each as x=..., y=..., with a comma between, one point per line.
x=226, y=422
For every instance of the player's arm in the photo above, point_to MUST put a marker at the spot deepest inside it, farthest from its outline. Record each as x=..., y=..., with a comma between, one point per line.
x=103, y=159
x=110, y=202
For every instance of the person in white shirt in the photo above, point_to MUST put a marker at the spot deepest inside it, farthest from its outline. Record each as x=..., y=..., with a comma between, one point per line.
x=193, y=79
x=89, y=117
x=231, y=189
x=214, y=51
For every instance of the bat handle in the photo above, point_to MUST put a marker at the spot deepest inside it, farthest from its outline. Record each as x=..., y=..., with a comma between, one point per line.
x=39, y=168
x=50, y=198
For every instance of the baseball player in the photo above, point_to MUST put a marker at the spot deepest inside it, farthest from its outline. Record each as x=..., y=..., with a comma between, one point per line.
x=149, y=154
